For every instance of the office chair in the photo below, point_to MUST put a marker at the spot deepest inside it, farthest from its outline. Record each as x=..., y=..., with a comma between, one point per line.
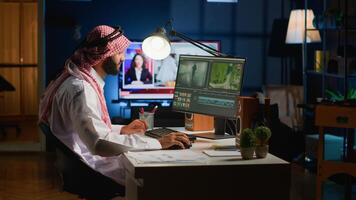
x=287, y=141
x=77, y=177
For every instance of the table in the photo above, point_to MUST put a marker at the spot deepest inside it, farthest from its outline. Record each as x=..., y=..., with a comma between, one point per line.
x=338, y=117
x=215, y=178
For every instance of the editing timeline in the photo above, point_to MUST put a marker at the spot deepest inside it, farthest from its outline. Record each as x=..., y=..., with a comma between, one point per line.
x=182, y=99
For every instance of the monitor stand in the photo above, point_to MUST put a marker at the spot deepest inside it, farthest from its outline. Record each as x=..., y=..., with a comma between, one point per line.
x=219, y=124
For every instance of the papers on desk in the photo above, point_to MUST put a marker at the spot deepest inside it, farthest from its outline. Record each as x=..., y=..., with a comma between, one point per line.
x=222, y=153
x=167, y=156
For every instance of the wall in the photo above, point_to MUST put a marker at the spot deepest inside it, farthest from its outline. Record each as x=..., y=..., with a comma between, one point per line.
x=242, y=28
x=138, y=19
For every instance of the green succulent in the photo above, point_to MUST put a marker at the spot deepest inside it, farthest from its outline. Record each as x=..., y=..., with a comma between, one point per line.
x=247, y=138
x=263, y=134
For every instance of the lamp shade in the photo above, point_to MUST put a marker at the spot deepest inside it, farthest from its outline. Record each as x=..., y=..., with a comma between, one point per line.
x=157, y=45
x=296, y=27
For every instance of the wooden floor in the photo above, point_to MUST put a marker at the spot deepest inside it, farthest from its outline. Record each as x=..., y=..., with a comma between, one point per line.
x=29, y=176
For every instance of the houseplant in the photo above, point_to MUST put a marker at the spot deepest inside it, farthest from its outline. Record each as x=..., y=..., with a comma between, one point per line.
x=247, y=143
x=262, y=134
x=337, y=96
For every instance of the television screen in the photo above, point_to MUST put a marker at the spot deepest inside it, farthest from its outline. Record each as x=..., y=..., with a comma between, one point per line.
x=144, y=78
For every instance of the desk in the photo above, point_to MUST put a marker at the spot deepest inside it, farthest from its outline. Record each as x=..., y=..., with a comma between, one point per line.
x=215, y=178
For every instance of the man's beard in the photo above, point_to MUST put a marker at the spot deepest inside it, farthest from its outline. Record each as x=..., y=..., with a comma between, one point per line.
x=110, y=67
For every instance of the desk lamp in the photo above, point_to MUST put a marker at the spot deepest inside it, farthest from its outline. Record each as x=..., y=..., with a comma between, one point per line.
x=157, y=45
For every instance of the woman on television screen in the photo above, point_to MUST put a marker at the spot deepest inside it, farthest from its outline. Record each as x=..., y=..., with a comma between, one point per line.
x=138, y=73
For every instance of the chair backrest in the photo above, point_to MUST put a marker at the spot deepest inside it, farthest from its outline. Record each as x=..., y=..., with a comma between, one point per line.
x=78, y=178
x=62, y=147
x=287, y=98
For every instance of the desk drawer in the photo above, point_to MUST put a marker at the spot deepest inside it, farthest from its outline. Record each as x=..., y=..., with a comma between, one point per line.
x=335, y=116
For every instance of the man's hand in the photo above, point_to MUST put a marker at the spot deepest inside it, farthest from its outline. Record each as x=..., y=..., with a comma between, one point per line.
x=137, y=126
x=175, y=138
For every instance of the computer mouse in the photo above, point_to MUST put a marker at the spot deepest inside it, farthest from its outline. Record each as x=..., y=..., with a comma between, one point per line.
x=176, y=146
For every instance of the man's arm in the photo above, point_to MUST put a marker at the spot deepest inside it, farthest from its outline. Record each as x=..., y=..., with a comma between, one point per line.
x=85, y=113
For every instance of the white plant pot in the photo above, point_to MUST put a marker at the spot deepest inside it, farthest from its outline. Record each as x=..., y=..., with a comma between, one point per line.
x=261, y=151
x=247, y=153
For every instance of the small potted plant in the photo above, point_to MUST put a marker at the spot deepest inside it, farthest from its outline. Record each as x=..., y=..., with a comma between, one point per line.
x=247, y=143
x=263, y=134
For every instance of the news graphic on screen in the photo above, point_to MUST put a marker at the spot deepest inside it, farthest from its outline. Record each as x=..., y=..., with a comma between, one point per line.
x=137, y=68
x=144, y=78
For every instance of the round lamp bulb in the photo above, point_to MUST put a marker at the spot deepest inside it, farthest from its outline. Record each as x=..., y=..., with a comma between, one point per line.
x=156, y=47
x=157, y=43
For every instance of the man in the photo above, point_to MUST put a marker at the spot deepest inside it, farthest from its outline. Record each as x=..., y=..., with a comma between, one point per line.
x=74, y=107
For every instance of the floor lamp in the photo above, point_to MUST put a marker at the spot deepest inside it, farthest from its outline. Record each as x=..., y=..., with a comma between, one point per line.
x=301, y=31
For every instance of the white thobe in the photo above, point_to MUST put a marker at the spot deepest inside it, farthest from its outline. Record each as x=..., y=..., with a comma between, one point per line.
x=75, y=119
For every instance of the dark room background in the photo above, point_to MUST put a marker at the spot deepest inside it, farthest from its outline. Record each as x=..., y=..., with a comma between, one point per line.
x=243, y=28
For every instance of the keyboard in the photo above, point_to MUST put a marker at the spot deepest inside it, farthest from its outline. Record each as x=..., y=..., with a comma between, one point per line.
x=159, y=132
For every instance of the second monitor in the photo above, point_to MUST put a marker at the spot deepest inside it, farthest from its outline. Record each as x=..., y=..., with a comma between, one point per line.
x=211, y=86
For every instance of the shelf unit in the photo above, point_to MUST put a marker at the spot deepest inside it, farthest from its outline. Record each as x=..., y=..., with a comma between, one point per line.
x=316, y=82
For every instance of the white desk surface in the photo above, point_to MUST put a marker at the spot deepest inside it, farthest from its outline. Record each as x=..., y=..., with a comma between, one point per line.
x=202, y=144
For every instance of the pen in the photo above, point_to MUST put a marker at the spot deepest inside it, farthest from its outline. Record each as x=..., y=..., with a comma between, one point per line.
x=154, y=109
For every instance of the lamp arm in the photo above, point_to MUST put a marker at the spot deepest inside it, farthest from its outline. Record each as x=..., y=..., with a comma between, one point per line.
x=198, y=44
x=195, y=43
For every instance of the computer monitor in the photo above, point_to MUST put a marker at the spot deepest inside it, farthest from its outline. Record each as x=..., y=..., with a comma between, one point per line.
x=210, y=86
x=157, y=79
